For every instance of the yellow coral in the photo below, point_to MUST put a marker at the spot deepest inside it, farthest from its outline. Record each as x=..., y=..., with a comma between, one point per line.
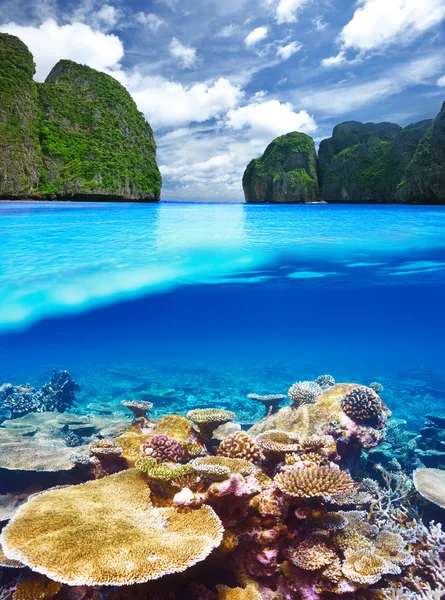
x=312, y=554
x=278, y=441
x=6, y=562
x=219, y=468
x=240, y=445
x=105, y=448
x=162, y=473
x=366, y=568
x=36, y=587
x=310, y=459
x=320, y=444
x=391, y=546
x=313, y=482
x=130, y=442
x=208, y=419
x=248, y=593
x=333, y=572
x=175, y=426
x=106, y=532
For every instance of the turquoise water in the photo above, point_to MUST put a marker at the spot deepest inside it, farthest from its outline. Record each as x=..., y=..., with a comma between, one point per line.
x=215, y=301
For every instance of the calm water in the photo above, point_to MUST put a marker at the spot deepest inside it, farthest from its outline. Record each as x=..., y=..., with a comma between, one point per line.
x=220, y=300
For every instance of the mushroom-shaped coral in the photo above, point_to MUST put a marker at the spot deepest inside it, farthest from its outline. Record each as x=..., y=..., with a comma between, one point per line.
x=313, y=482
x=270, y=402
x=304, y=392
x=227, y=593
x=163, y=448
x=363, y=405
x=325, y=381
x=106, y=532
x=367, y=568
x=278, y=442
x=139, y=408
x=311, y=554
x=240, y=445
x=107, y=449
x=430, y=483
x=218, y=468
x=208, y=419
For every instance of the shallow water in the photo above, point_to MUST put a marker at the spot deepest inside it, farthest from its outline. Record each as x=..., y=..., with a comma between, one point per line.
x=215, y=301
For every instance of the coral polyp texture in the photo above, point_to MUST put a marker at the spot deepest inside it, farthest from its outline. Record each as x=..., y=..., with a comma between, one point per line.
x=304, y=392
x=363, y=405
x=295, y=508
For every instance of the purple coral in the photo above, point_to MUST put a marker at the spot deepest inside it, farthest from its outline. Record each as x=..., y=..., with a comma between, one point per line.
x=163, y=448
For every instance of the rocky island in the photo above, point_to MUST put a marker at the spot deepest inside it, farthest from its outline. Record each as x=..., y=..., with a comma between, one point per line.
x=77, y=136
x=360, y=163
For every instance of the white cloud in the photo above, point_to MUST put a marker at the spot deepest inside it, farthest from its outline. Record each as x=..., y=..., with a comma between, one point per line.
x=227, y=31
x=287, y=51
x=256, y=36
x=319, y=24
x=267, y=120
x=379, y=23
x=346, y=97
x=334, y=61
x=51, y=42
x=441, y=81
x=150, y=20
x=287, y=10
x=185, y=54
x=108, y=15
x=171, y=104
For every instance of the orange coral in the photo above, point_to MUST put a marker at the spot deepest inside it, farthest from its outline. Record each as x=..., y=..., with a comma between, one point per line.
x=36, y=587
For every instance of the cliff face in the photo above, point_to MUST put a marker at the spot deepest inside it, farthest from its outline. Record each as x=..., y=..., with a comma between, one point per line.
x=366, y=162
x=286, y=173
x=77, y=136
x=19, y=141
x=424, y=180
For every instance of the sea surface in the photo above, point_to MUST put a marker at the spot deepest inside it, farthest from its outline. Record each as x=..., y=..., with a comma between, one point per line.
x=203, y=303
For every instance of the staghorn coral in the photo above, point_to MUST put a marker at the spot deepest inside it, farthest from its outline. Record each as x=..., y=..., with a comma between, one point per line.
x=36, y=587
x=325, y=381
x=311, y=554
x=313, y=482
x=120, y=540
x=240, y=445
x=271, y=402
x=163, y=448
x=367, y=568
x=208, y=419
x=247, y=593
x=363, y=405
x=304, y=392
x=430, y=483
x=105, y=449
x=218, y=468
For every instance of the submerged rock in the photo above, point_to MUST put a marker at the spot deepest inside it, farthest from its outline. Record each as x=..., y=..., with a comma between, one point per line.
x=286, y=173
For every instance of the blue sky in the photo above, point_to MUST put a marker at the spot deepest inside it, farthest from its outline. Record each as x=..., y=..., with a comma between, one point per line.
x=219, y=79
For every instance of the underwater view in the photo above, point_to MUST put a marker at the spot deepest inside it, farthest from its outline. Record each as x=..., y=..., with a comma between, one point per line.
x=214, y=401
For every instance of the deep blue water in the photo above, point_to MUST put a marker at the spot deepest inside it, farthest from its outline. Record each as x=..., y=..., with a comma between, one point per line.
x=264, y=295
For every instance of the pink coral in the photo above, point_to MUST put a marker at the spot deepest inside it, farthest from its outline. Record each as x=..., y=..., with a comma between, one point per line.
x=237, y=485
x=262, y=563
x=163, y=448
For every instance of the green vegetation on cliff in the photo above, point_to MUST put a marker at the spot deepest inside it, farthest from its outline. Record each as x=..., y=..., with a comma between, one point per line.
x=78, y=135
x=19, y=140
x=286, y=173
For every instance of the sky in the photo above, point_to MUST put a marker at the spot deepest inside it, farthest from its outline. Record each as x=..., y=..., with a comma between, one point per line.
x=218, y=80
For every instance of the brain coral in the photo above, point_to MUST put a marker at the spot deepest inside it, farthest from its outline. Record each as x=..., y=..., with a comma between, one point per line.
x=304, y=392
x=313, y=482
x=240, y=445
x=362, y=405
x=106, y=532
x=163, y=448
x=430, y=483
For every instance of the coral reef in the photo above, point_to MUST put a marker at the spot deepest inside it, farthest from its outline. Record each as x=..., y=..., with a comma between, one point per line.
x=271, y=402
x=208, y=419
x=240, y=445
x=304, y=392
x=163, y=448
x=363, y=405
x=58, y=394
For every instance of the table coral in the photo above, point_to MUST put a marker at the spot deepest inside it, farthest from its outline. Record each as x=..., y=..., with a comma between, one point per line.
x=120, y=540
x=208, y=419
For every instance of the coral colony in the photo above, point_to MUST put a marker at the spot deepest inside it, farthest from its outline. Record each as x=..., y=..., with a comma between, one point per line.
x=295, y=507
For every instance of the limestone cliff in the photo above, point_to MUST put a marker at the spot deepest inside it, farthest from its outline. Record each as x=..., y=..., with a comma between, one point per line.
x=19, y=140
x=77, y=136
x=424, y=179
x=286, y=173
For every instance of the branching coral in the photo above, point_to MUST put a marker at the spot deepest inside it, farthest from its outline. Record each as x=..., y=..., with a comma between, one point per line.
x=313, y=482
x=119, y=539
x=311, y=554
x=363, y=405
x=163, y=448
x=325, y=381
x=240, y=445
x=304, y=392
